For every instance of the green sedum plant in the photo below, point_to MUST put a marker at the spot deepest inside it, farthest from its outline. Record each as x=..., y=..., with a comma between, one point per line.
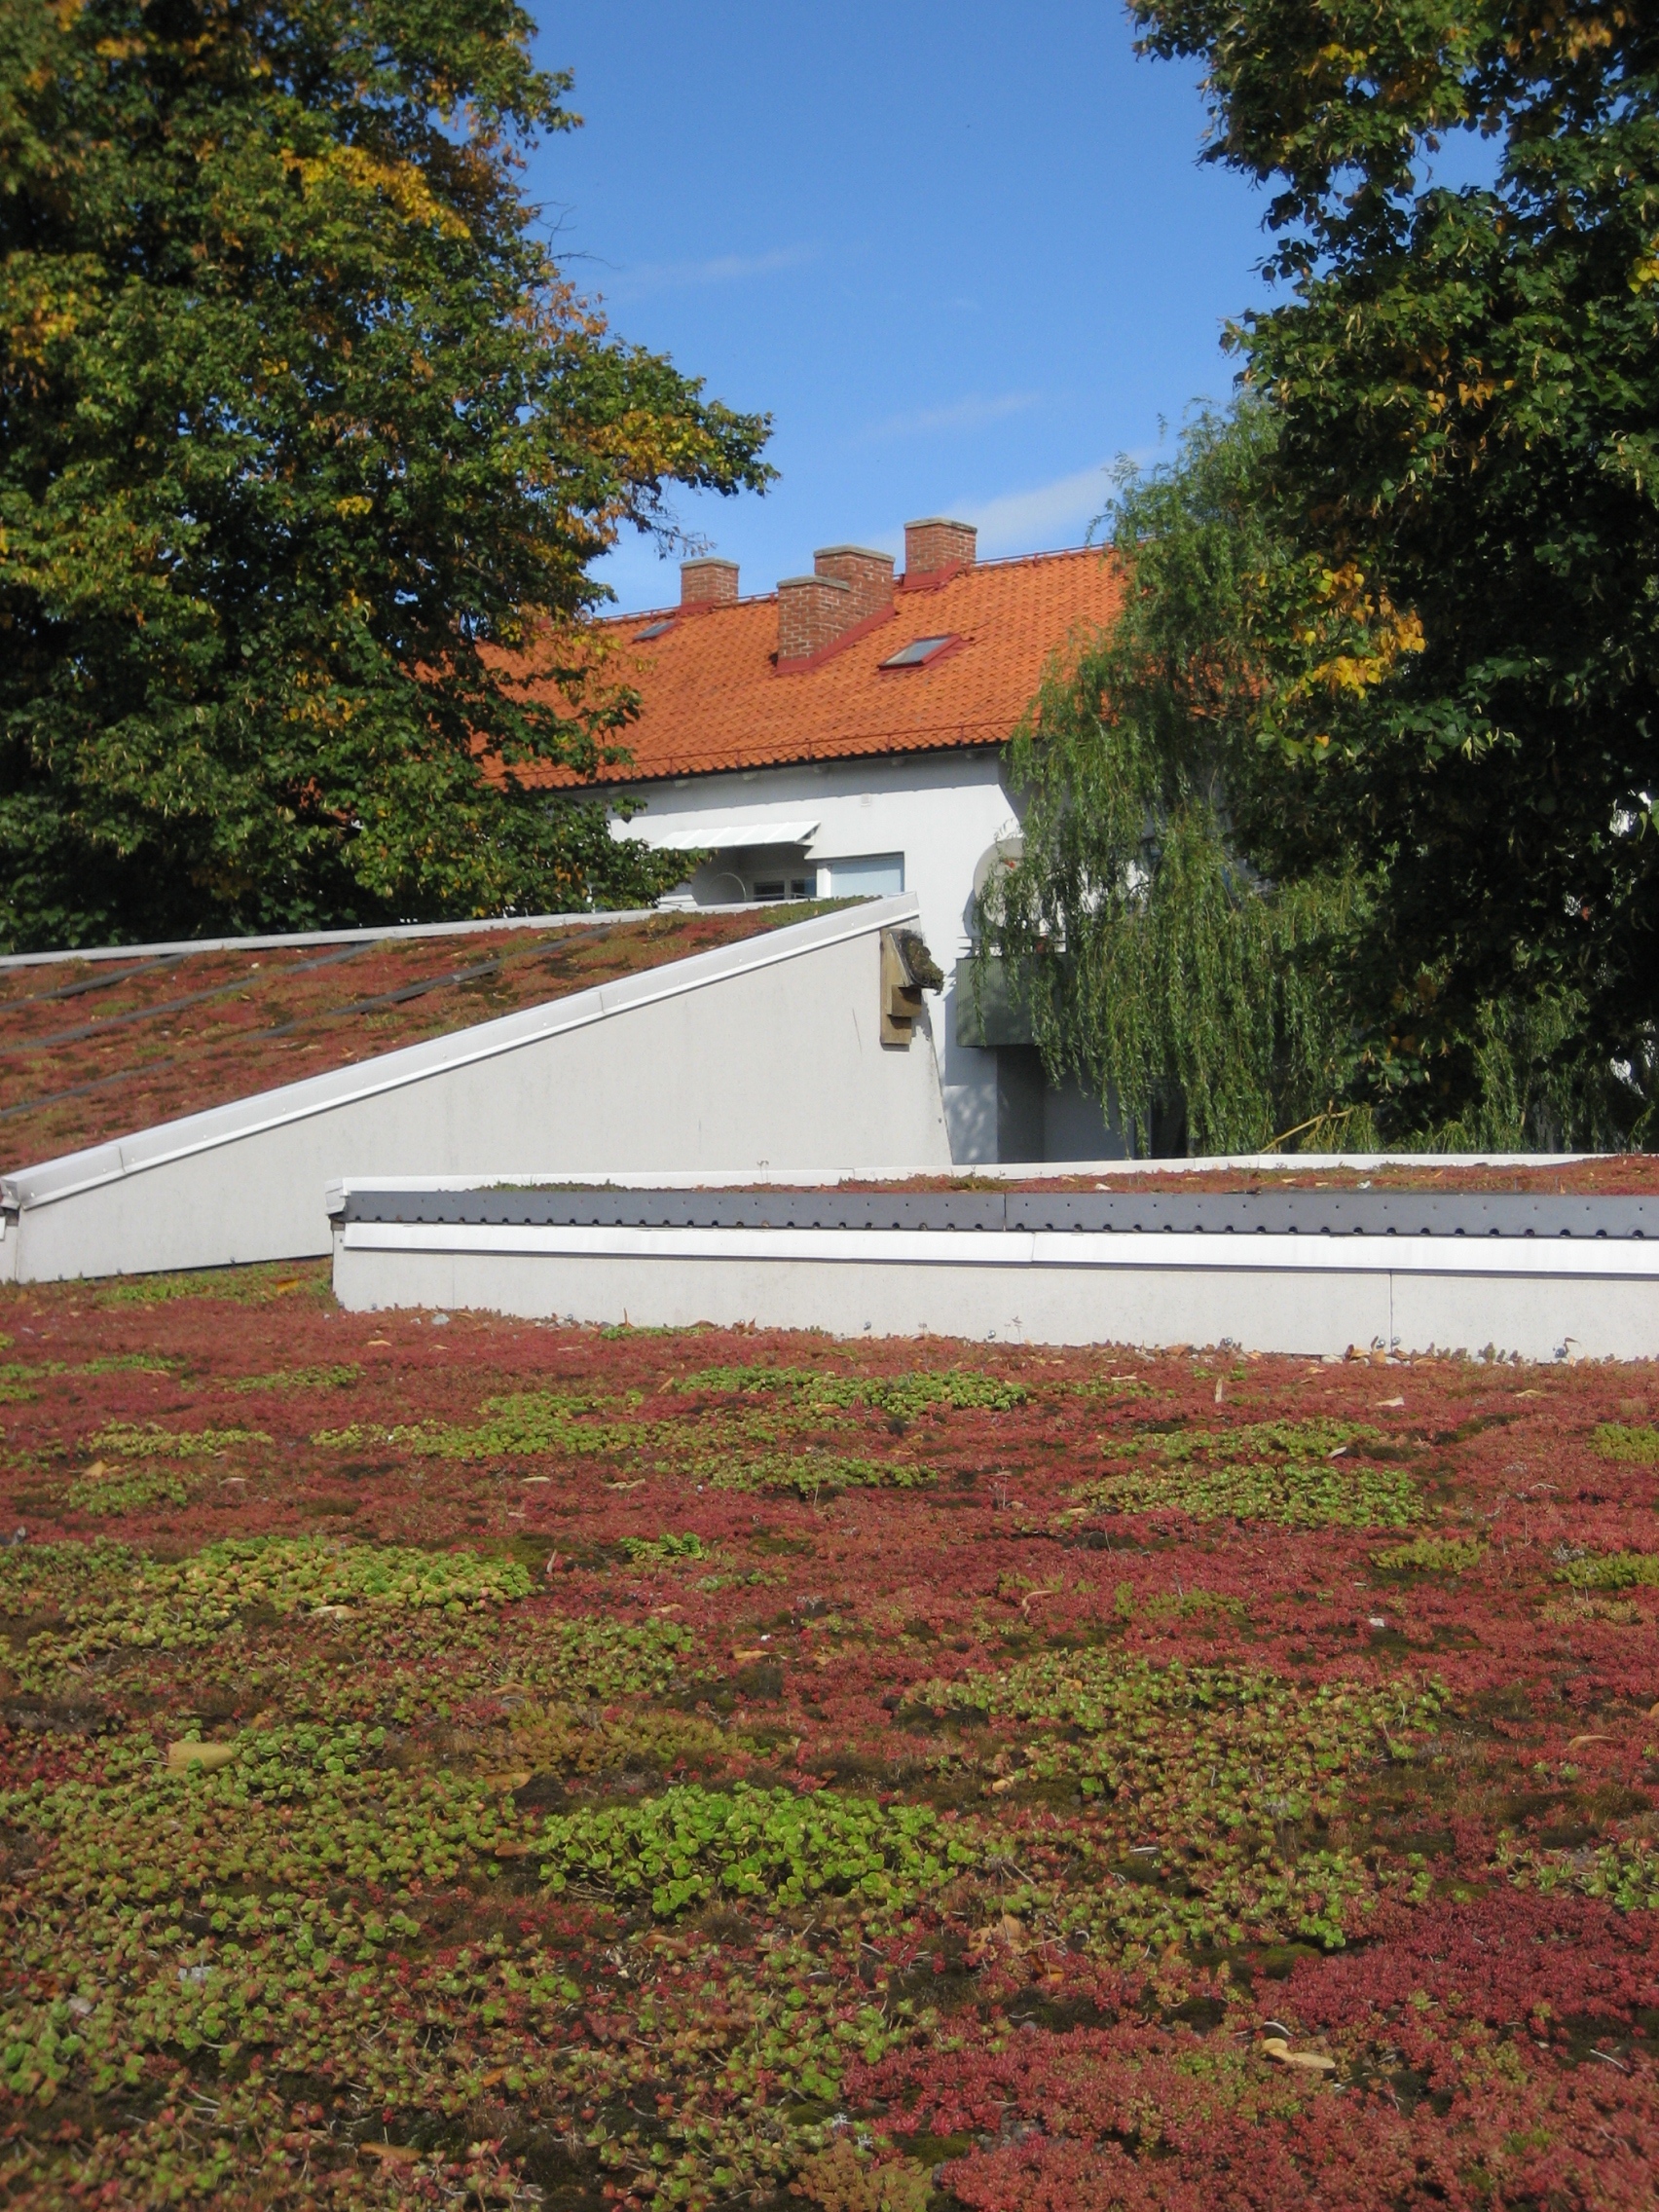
x=1620, y=1440
x=690, y=1845
x=1292, y=1495
x=1211, y=1789
x=809, y=1473
x=1293, y=1473
x=113, y=1599
x=665, y=1550
x=341, y=1376
x=1625, y=1873
x=1616, y=1571
x=1431, y=1555
x=523, y=1425
x=120, y=1493
x=1300, y=1440
x=127, y=1440
x=953, y=1387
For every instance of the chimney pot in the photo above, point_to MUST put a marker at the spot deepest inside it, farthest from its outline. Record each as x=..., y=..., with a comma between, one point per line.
x=708, y=582
x=869, y=574
x=935, y=546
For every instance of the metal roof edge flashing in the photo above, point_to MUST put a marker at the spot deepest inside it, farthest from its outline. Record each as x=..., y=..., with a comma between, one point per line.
x=164, y=1142
x=184, y=948
x=1356, y=1219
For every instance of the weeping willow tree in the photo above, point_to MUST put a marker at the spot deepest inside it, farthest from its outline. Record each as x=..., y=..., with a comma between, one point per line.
x=1200, y=924
x=1179, y=923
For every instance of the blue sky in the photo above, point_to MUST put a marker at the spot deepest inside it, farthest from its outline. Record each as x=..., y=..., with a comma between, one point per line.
x=964, y=254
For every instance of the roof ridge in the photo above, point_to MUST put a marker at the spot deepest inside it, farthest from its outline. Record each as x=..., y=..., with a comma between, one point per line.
x=762, y=597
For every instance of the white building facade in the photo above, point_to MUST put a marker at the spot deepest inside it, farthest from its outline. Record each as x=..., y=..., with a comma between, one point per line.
x=869, y=806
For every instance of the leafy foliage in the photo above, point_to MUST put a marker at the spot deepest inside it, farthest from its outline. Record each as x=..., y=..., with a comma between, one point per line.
x=1626, y=1873
x=1316, y=1439
x=115, y=1492
x=1176, y=922
x=307, y=442
x=526, y=1423
x=1202, y=1772
x=1462, y=385
x=660, y=1551
x=841, y=2180
x=755, y=1451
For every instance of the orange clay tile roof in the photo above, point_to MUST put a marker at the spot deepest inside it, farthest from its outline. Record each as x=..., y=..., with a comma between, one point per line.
x=713, y=698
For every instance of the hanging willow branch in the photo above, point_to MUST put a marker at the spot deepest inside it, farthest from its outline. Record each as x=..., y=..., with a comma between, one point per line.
x=1174, y=926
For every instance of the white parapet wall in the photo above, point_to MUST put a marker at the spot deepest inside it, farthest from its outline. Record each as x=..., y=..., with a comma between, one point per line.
x=1587, y=1291
x=756, y=1052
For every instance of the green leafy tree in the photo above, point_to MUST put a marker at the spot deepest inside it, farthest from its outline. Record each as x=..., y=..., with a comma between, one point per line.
x=1465, y=386
x=1180, y=920
x=307, y=448
x=1194, y=926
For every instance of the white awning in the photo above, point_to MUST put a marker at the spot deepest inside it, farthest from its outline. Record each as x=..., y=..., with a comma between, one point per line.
x=717, y=836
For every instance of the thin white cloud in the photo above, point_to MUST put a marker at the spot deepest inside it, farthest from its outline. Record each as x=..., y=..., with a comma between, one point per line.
x=1047, y=515
x=973, y=413
x=722, y=269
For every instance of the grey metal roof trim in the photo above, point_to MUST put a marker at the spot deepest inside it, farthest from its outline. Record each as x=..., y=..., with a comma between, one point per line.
x=298, y=940
x=1293, y=1214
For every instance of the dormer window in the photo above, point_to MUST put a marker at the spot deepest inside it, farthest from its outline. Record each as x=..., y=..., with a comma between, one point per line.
x=653, y=629
x=919, y=652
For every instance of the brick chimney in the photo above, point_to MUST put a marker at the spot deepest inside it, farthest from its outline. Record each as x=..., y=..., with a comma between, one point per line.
x=708, y=582
x=870, y=576
x=936, y=545
x=812, y=613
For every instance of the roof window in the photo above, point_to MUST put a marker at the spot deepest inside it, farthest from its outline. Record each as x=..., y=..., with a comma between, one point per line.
x=654, y=630
x=917, y=652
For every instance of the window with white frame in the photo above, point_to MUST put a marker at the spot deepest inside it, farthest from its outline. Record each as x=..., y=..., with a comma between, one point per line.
x=865, y=875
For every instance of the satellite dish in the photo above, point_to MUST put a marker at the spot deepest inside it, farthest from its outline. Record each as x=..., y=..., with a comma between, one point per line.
x=1007, y=852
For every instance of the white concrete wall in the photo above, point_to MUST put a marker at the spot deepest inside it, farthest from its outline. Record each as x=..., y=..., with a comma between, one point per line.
x=942, y=811
x=1555, y=1299
x=761, y=1052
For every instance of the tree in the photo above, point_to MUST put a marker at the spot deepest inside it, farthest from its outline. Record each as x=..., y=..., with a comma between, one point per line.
x=1465, y=385
x=1180, y=920
x=306, y=442
x=1193, y=926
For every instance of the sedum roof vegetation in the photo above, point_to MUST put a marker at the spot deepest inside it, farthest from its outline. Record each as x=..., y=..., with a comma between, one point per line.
x=454, y=1759
x=92, y=1051
x=1607, y=1175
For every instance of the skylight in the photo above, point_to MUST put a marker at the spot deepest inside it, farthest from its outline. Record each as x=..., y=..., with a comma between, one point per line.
x=918, y=650
x=654, y=630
